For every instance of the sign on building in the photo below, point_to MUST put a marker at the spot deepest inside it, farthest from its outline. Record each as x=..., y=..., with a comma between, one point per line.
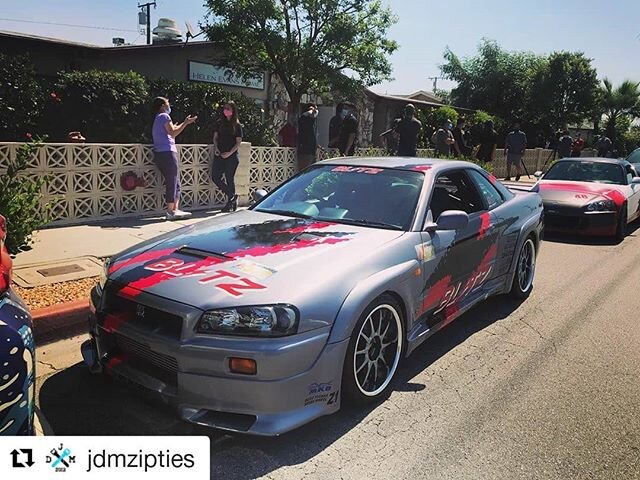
x=206, y=72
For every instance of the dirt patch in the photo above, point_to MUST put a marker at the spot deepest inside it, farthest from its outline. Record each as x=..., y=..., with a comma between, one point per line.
x=55, y=293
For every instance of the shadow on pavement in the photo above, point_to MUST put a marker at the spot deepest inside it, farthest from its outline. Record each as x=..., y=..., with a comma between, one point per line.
x=140, y=222
x=76, y=403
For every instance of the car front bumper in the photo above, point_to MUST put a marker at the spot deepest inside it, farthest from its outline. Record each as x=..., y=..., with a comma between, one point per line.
x=576, y=221
x=297, y=379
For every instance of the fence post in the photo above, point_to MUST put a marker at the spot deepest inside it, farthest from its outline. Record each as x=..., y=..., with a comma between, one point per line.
x=242, y=174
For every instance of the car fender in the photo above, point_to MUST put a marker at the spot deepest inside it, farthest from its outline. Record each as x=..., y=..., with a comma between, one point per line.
x=395, y=279
x=532, y=225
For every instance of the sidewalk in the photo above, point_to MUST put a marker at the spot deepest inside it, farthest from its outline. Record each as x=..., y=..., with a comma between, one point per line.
x=98, y=240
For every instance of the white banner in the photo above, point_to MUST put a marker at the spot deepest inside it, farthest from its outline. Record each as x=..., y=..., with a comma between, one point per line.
x=124, y=458
x=205, y=72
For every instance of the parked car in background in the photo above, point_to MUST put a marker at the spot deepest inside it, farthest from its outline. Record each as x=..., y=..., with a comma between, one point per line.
x=590, y=196
x=265, y=319
x=17, y=353
x=634, y=159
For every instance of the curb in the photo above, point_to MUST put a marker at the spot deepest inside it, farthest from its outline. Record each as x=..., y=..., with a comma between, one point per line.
x=60, y=321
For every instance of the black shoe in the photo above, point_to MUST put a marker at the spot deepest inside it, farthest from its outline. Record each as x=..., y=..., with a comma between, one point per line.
x=507, y=179
x=517, y=178
x=232, y=204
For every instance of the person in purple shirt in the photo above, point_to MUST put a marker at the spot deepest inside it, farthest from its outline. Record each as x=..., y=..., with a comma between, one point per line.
x=165, y=154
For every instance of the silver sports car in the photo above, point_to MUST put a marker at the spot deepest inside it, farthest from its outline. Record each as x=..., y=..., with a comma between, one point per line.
x=262, y=320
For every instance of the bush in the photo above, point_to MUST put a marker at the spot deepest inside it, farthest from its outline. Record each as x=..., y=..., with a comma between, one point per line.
x=205, y=101
x=105, y=106
x=20, y=199
x=21, y=97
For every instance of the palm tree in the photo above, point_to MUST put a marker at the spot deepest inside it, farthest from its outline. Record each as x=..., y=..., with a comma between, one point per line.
x=617, y=103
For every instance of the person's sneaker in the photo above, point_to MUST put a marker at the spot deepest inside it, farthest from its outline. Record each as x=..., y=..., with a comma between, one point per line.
x=507, y=179
x=176, y=215
x=517, y=178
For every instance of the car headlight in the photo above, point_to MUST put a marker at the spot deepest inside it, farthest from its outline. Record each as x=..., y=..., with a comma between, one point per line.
x=260, y=321
x=601, y=206
x=104, y=274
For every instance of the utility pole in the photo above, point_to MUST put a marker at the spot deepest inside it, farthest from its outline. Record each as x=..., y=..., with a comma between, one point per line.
x=148, y=15
x=435, y=82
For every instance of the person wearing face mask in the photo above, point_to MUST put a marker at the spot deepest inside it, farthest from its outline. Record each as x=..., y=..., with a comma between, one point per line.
x=348, y=130
x=165, y=154
x=515, y=146
x=227, y=138
x=408, y=131
x=334, y=127
x=307, y=140
x=443, y=139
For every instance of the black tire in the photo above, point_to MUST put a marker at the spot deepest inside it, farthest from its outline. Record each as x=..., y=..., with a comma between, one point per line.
x=525, y=270
x=621, y=229
x=383, y=323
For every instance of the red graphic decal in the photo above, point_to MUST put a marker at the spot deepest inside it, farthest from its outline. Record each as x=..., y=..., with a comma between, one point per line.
x=113, y=322
x=306, y=228
x=284, y=247
x=217, y=276
x=114, y=362
x=367, y=170
x=592, y=189
x=492, y=179
x=234, y=288
x=436, y=292
x=422, y=168
x=143, y=257
x=485, y=224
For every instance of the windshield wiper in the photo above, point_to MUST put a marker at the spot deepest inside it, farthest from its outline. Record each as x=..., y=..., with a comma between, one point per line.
x=288, y=213
x=368, y=223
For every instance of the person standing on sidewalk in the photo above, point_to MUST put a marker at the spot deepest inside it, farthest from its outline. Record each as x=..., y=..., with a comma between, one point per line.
x=307, y=140
x=565, y=143
x=604, y=146
x=577, y=146
x=515, y=146
x=460, y=147
x=165, y=154
x=334, y=127
x=227, y=138
x=348, y=130
x=443, y=139
x=488, y=142
x=408, y=129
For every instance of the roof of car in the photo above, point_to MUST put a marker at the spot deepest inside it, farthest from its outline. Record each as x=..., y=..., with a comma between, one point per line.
x=404, y=163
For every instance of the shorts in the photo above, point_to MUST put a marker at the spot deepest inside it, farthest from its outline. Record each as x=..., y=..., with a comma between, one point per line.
x=514, y=159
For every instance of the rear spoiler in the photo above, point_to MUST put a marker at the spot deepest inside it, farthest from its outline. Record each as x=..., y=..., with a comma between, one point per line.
x=516, y=187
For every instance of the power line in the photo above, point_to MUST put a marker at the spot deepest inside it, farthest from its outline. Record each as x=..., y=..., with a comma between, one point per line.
x=68, y=25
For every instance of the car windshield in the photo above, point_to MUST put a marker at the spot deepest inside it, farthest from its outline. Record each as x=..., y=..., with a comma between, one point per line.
x=634, y=157
x=585, y=171
x=372, y=197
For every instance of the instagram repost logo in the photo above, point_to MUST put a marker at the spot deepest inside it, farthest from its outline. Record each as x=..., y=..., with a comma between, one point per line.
x=60, y=458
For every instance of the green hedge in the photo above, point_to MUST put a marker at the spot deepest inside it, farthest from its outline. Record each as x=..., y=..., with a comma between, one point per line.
x=112, y=107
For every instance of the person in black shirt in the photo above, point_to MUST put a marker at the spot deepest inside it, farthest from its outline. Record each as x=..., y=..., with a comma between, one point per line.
x=334, y=127
x=488, y=141
x=408, y=130
x=348, y=130
x=460, y=147
x=307, y=142
x=227, y=138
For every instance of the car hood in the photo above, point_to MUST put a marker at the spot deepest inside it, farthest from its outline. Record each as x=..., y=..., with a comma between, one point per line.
x=577, y=193
x=246, y=258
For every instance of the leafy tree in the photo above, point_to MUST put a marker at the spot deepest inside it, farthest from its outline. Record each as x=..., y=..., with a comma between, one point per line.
x=564, y=90
x=622, y=102
x=21, y=97
x=21, y=199
x=309, y=45
x=494, y=80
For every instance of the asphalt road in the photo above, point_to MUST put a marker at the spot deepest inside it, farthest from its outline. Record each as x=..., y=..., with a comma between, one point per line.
x=546, y=389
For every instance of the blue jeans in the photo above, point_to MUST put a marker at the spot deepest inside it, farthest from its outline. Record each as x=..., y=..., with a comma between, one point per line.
x=167, y=163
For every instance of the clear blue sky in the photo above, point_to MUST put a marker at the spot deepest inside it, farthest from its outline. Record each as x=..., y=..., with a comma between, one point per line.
x=606, y=30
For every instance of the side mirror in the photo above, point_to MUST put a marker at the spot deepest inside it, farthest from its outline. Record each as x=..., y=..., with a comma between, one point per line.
x=449, y=220
x=259, y=195
x=635, y=181
x=538, y=174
